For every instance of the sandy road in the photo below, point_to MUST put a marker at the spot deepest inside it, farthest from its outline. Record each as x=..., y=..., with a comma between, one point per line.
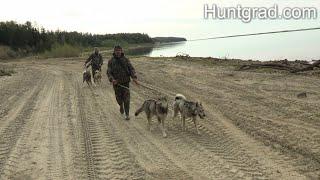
x=54, y=127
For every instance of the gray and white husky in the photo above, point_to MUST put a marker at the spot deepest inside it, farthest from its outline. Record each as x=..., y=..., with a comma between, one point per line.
x=159, y=108
x=187, y=109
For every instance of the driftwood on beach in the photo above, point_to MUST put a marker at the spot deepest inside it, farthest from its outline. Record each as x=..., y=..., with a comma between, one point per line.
x=183, y=55
x=293, y=67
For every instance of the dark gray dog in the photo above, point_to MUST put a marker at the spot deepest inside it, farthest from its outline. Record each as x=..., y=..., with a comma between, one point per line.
x=87, y=77
x=157, y=108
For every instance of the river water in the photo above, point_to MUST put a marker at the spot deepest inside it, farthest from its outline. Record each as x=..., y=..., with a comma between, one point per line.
x=291, y=46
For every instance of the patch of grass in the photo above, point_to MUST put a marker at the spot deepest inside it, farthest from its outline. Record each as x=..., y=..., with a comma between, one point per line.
x=65, y=50
x=6, y=72
x=7, y=53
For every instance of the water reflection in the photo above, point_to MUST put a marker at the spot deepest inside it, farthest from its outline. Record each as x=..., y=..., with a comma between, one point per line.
x=140, y=51
x=147, y=51
x=289, y=46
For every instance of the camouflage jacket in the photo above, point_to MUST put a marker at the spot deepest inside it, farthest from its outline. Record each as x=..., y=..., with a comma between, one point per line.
x=120, y=69
x=96, y=60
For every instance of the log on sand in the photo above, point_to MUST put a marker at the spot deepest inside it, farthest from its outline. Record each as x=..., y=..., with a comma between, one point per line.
x=308, y=68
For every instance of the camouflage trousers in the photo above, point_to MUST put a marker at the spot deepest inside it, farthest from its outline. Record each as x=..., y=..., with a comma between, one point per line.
x=123, y=97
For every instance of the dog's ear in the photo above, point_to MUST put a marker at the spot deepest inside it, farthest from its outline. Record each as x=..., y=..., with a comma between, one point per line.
x=197, y=104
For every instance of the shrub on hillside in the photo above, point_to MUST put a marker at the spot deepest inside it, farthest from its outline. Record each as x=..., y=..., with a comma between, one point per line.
x=7, y=53
x=65, y=50
x=4, y=71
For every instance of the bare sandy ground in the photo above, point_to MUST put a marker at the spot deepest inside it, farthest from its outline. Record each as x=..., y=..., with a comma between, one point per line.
x=52, y=126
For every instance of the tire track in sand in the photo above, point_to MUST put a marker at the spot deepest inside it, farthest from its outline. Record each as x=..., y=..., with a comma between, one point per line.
x=146, y=150
x=260, y=127
x=106, y=154
x=233, y=160
x=56, y=160
x=18, y=121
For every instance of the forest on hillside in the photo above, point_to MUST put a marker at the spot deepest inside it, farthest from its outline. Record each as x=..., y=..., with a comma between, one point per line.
x=37, y=40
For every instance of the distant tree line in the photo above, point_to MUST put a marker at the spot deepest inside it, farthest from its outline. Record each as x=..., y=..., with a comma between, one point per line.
x=35, y=40
x=168, y=39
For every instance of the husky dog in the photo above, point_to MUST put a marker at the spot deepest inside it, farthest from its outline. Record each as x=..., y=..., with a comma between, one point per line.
x=187, y=109
x=87, y=77
x=157, y=108
x=97, y=77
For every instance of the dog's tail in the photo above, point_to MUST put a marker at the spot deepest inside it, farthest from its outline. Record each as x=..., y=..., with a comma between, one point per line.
x=180, y=97
x=138, y=111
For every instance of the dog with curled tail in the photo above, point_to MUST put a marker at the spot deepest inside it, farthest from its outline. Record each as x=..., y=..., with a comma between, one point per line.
x=187, y=109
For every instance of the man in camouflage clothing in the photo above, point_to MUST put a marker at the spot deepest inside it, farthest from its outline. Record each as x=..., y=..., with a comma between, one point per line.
x=95, y=60
x=119, y=72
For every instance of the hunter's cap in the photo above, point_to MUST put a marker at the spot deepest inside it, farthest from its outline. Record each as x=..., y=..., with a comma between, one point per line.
x=117, y=47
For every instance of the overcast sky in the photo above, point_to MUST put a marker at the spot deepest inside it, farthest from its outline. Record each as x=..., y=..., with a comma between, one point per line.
x=155, y=17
